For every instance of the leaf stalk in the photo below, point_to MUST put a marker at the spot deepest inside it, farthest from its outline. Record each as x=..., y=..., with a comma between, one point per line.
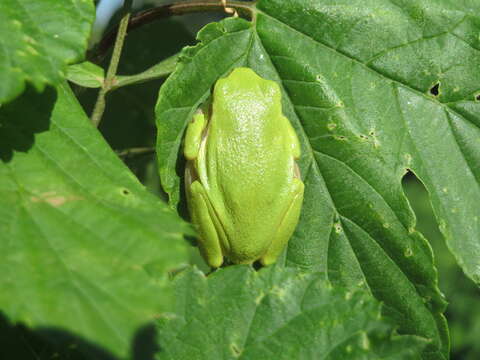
x=113, y=66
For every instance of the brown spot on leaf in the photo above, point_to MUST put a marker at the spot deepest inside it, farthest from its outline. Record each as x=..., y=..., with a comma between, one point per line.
x=54, y=199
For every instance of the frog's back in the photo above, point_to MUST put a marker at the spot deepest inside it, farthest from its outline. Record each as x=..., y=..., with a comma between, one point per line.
x=250, y=158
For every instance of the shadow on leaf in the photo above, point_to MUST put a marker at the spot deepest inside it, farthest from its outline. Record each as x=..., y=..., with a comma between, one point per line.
x=22, y=118
x=21, y=343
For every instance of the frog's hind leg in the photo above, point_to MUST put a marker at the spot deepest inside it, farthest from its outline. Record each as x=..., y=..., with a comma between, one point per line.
x=287, y=226
x=202, y=213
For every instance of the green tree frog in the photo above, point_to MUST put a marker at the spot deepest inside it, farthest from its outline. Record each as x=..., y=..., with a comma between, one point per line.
x=243, y=186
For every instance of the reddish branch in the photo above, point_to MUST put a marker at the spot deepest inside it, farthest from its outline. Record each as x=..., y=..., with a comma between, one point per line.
x=165, y=11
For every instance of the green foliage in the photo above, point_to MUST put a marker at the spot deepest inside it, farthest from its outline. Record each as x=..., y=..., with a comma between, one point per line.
x=238, y=313
x=463, y=312
x=86, y=74
x=38, y=39
x=373, y=89
x=78, y=232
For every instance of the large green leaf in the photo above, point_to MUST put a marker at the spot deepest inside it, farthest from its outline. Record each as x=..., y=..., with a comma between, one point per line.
x=277, y=313
x=358, y=80
x=378, y=62
x=85, y=247
x=38, y=38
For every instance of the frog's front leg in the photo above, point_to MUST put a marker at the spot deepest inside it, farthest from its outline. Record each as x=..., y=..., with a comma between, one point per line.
x=287, y=226
x=202, y=215
x=193, y=137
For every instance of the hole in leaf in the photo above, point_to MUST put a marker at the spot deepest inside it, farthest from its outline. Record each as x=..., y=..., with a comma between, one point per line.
x=419, y=201
x=235, y=350
x=434, y=90
x=257, y=265
x=477, y=97
x=125, y=192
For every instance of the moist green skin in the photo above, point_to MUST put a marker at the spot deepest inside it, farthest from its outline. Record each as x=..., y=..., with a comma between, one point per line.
x=243, y=186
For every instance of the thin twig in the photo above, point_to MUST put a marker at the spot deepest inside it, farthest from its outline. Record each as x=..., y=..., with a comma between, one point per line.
x=112, y=68
x=135, y=152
